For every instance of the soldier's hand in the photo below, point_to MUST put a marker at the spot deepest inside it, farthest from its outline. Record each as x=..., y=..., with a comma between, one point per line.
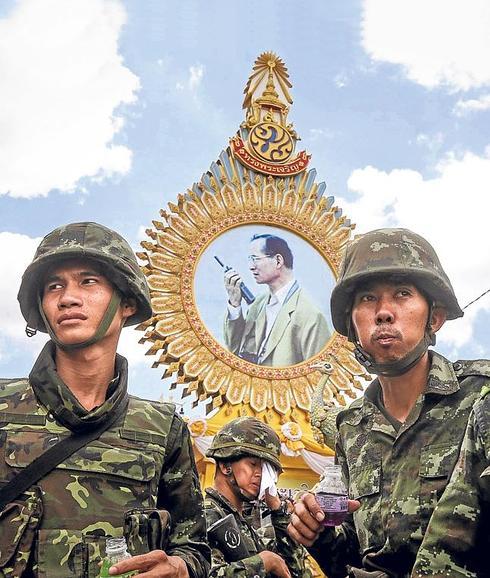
x=274, y=564
x=272, y=502
x=232, y=286
x=155, y=564
x=307, y=517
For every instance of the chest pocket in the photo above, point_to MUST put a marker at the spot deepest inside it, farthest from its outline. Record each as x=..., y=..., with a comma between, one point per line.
x=365, y=481
x=436, y=465
x=122, y=459
x=438, y=460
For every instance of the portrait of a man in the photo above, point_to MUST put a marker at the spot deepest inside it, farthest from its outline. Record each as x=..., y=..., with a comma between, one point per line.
x=282, y=326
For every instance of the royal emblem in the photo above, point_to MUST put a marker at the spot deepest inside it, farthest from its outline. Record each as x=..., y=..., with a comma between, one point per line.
x=265, y=141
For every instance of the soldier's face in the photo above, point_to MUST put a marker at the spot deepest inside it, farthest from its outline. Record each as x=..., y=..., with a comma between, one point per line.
x=265, y=268
x=75, y=297
x=389, y=319
x=248, y=475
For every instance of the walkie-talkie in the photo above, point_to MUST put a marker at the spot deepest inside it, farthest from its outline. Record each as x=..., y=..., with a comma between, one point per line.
x=248, y=296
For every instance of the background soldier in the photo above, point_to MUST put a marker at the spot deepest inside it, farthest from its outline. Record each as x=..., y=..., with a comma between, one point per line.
x=82, y=287
x=398, y=443
x=240, y=450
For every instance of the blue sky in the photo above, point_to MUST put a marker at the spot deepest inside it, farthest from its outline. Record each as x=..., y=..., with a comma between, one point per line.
x=110, y=108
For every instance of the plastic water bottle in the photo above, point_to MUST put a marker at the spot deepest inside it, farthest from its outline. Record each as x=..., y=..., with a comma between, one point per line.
x=116, y=550
x=331, y=495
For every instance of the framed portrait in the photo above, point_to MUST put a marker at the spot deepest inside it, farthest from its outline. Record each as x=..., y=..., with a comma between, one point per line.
x=241, y=267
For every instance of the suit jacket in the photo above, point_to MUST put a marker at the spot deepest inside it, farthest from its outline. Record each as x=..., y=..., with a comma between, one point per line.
x=299, y=332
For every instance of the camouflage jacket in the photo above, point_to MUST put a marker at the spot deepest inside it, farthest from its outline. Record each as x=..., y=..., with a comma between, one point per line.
x=144, y=460
x=216, y=507
x=457, y=542
x=398, y=476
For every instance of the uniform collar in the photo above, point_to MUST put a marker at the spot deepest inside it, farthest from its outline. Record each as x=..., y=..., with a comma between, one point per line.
x=213, y=493
x=54, y=394
x=441, y=380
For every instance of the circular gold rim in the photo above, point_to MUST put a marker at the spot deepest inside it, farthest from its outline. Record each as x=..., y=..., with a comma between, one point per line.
x=228, y=197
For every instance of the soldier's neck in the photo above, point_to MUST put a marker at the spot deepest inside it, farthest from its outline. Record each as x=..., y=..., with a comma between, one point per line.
x=87, y=373
x=400, y=393
x=222, y=486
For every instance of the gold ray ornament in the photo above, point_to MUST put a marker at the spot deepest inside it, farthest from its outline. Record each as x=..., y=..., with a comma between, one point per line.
x=257, y=180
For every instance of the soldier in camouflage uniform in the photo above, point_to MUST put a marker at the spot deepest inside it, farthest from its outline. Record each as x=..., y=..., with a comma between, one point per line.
x=82, y=287
x=240, y=448
x=398, y=444
x=457, y=541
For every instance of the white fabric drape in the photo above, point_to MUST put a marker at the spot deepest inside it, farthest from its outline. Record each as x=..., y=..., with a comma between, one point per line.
x=315, y=462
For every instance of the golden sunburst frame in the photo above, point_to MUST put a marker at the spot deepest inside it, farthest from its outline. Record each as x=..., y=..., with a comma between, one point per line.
x=257, y=180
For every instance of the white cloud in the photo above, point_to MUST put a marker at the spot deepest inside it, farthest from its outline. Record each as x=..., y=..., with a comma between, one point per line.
x=62, y=81
x=437, y=42
x=432, y=142
x=133, y=351
x=341, y=80
x=450, y=210
x=17, y=252
x=464, y=107
x=196, y=74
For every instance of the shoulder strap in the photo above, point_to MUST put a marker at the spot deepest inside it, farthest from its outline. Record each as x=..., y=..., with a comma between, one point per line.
x=47, y=461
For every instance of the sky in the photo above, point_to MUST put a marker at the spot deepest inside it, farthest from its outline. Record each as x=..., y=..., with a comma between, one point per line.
x=111, y=108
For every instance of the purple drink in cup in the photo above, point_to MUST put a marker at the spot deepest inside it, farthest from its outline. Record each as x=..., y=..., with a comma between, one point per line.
x=331, y=495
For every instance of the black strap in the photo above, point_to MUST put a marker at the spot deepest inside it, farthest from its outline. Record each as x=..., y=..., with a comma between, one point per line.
x=47, y=461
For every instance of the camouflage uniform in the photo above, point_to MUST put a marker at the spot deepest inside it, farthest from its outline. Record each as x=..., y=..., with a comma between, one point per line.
x=398, y=471
x=398, y=476
x=457, y=541
x=216, y=507
x=57, y=529
x=242, y=437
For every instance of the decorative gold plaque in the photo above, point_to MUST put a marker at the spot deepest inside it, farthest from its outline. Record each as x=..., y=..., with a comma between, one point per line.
x=258, y=183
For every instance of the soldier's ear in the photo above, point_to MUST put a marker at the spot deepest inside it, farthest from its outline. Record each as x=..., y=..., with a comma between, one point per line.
x=225, y=468
x=129, y=306
x=437, y=318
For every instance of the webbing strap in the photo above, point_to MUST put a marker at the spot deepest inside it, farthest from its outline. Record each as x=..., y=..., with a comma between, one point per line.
x=47, y=461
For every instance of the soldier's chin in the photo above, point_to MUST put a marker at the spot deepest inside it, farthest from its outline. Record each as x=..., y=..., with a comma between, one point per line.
x=251, y=495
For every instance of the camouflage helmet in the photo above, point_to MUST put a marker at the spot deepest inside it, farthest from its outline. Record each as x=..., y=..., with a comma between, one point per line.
x=87, y=241
x=246, y=436
x=384, y=252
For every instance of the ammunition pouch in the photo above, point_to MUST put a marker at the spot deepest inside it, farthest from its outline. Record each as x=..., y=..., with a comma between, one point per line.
x=19, y=521
x=225, y=535
x=146, y=530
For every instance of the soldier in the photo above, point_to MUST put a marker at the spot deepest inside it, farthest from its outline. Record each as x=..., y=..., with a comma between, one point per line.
x=457, y=540
x=398, y=444
x=241, y=450
x=82, y=287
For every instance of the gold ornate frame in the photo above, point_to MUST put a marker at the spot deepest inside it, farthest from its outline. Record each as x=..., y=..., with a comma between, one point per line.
x=242, y=188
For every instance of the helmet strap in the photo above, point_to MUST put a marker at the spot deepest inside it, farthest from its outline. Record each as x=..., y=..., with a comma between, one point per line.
x=237, y=490
x=100, y=332
x=400, y=366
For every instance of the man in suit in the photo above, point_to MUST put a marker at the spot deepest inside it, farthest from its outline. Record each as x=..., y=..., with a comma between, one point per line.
x=282, y=326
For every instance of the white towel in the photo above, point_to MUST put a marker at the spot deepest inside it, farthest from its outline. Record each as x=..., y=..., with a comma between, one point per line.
x=268, y=481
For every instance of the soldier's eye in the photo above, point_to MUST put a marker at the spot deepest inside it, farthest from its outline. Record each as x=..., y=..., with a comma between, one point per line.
x=366, y=297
